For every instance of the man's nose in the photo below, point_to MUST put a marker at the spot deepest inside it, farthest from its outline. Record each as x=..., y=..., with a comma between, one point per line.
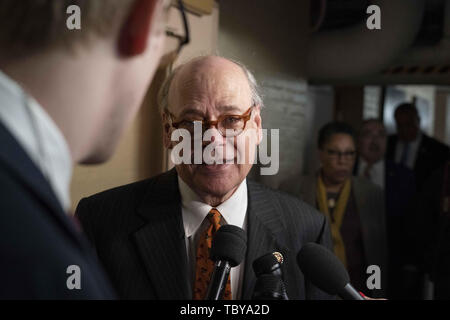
x=214, y=136
x=342, y=158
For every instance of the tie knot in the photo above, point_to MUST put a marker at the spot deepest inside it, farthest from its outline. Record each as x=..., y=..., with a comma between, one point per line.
x=215, y=218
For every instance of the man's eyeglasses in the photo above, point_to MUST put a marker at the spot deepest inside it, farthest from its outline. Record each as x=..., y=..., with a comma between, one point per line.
x=229, y=125
x=182, y=40
x=347, y=155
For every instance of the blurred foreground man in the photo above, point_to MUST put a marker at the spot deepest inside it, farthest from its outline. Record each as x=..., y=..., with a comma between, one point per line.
x=150, y=234
x=65, y=98
x=354, y=206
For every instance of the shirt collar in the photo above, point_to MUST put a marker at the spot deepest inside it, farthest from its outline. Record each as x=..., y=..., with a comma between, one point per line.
x=38, y=135
x=376, y=166
x=194, y=211
x=415, y=142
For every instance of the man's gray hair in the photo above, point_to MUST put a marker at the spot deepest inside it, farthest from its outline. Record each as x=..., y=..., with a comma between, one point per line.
x=163, y=95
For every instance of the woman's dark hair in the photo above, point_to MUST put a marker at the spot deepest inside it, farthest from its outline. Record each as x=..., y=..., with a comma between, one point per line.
x=333, y=128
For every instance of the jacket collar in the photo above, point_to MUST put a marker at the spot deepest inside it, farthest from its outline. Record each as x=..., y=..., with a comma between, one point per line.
x=160, y=241
x=20, y=166
x=161, y=250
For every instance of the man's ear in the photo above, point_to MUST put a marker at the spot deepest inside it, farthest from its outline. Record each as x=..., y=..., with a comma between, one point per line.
x=166, y=131
x=258, y=122
x=135, y=32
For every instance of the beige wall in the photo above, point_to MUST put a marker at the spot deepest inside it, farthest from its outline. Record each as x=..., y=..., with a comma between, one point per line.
x=441, y=114
x=140, y=153
x=270, y=38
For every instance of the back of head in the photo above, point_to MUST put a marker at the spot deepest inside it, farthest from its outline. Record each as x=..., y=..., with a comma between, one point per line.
x=108, y=58
x=28, y=27
x=406, y=107
x=407, y=122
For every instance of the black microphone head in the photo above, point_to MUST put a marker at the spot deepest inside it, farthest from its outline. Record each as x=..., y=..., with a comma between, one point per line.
x=269, y=287
x=229, y=244
x=322, y=268
x=268, y=263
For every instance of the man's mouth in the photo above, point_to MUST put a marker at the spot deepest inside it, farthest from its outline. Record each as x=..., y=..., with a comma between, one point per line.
x=213, y=168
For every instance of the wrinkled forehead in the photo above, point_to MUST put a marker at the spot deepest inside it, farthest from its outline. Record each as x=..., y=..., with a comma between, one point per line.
x=210, y=87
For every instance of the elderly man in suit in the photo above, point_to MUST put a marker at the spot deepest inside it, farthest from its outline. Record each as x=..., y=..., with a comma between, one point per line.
x=354, y=206
x=150, y=234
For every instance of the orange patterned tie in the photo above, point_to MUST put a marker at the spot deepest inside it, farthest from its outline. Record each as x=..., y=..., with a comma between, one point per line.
x=204, y=265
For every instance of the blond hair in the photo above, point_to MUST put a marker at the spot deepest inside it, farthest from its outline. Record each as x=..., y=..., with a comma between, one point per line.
x=32, y=26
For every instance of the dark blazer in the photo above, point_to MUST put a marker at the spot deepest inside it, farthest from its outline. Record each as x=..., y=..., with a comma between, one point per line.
x=138, y=233
x=38, y=241
x=431, y=215
x=370, y=204
x=431, y=155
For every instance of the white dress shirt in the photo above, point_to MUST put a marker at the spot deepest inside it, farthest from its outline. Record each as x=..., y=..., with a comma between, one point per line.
x=412, y=152
x=38, y=135
x=194, y=212
x=376, y=172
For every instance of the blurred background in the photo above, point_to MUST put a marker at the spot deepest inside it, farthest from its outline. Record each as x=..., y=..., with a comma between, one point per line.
x=316, y=61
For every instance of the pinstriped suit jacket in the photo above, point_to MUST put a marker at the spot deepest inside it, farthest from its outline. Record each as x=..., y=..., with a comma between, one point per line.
x=138, y=233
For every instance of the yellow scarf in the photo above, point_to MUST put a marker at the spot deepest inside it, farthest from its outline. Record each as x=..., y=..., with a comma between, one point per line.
x=338, y=214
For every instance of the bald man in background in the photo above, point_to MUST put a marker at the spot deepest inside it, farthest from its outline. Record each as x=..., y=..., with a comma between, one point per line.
x=66, y=97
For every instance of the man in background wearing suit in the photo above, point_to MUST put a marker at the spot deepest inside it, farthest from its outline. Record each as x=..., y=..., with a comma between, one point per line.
x=65, y=96
x=353, y=205
x=413, y=150
x=398, y=185
x=432, y=213
x=150, y=234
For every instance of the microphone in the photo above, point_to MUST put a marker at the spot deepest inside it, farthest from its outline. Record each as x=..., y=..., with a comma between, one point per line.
x=228, y=249
x=269, y=285
x=326, y=271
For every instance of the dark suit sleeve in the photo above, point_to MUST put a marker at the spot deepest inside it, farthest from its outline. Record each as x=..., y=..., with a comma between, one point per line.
x=85, y=216
x=305, y=224
x=442, y=264
x=324, y=239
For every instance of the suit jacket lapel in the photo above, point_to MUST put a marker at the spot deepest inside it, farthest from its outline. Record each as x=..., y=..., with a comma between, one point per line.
x=391, y=145
x=265, y=231
x=24, y=169
x=161, y=241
